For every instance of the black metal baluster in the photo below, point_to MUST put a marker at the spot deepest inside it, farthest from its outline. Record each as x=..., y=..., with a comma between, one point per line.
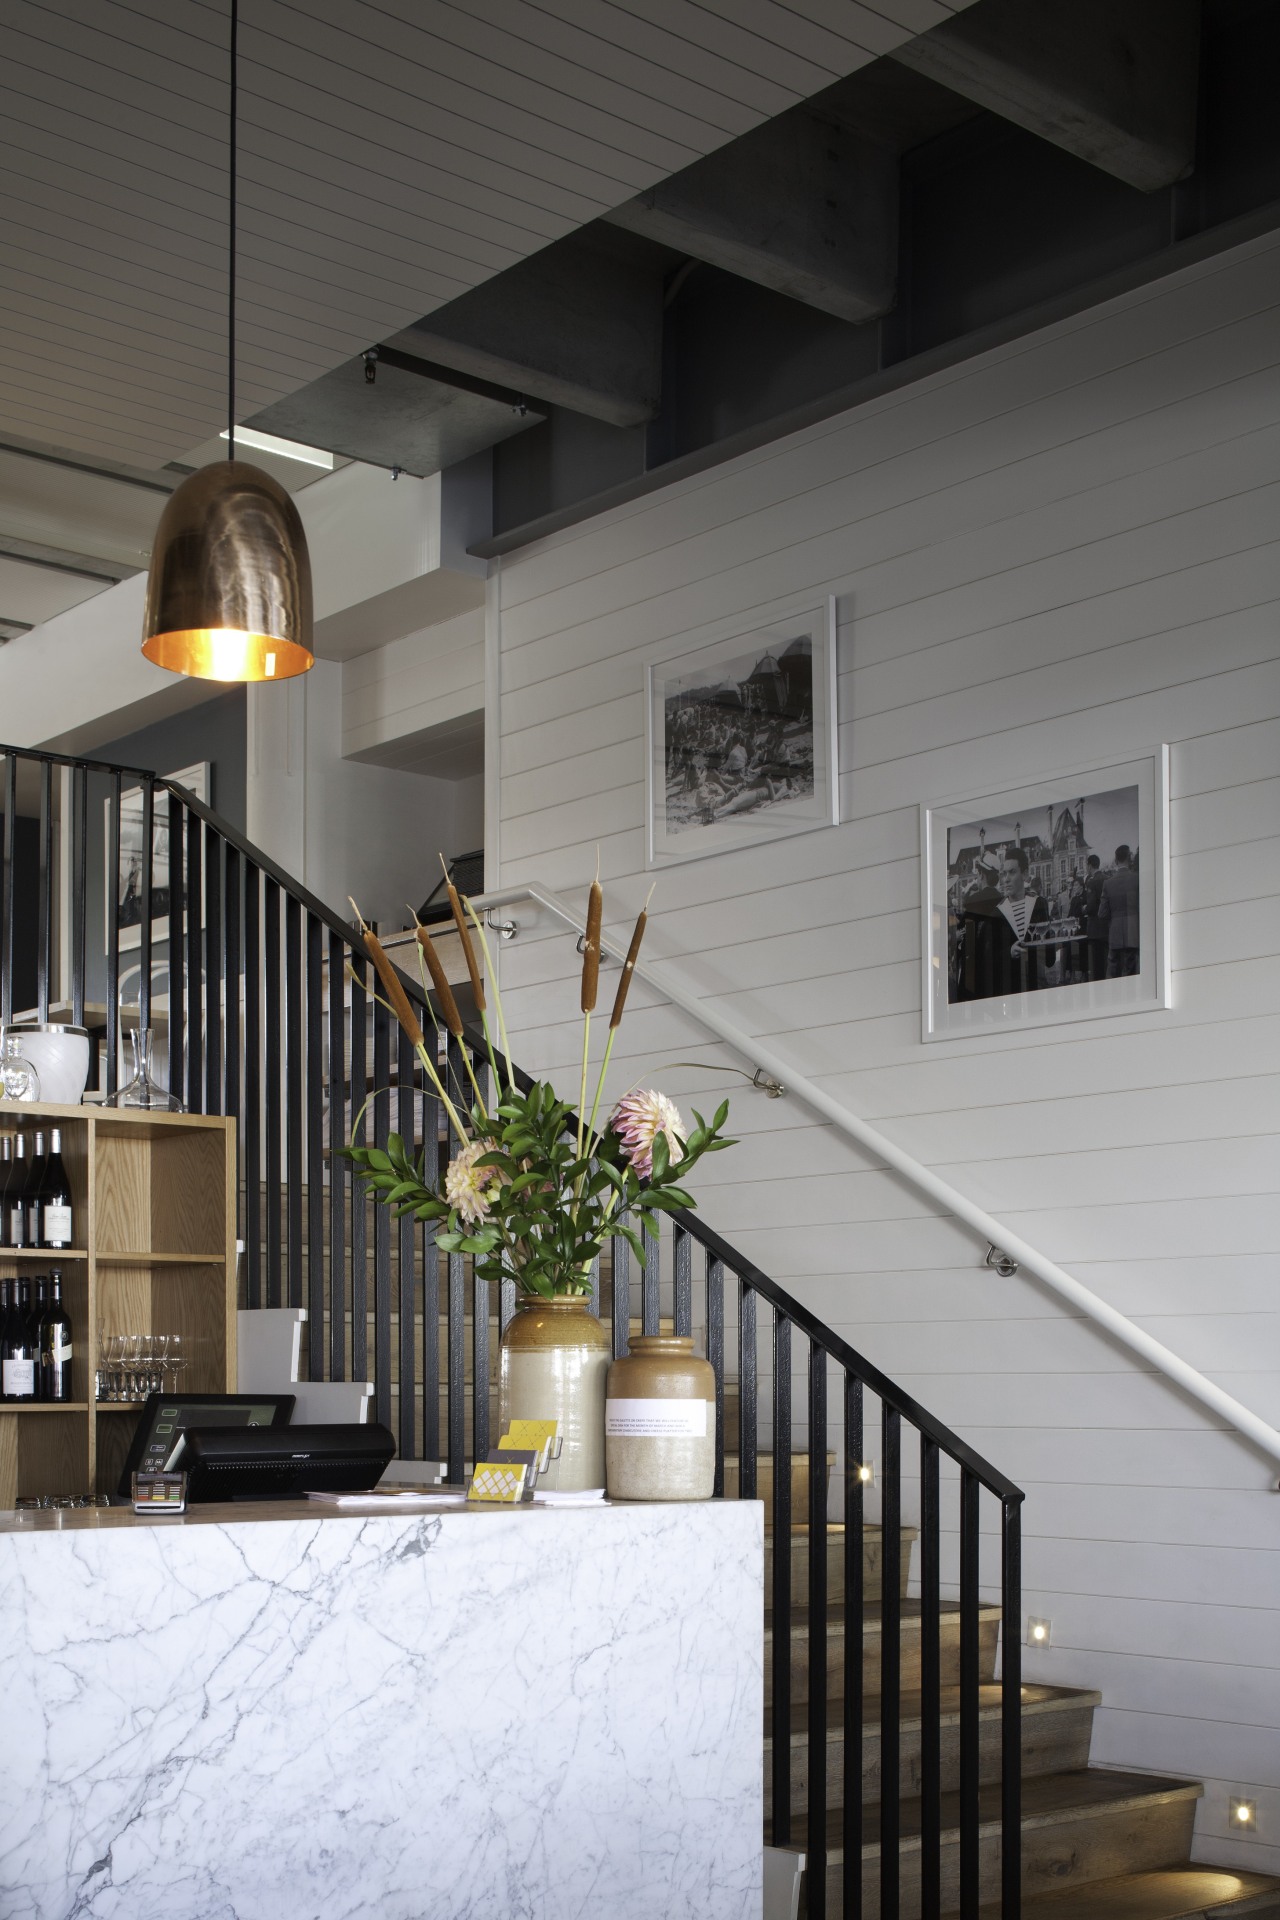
x=780, y=1706
x=339, y=1169
x=213, y=1074
x=620, y=1270
x=315, y=1149
x=381, y=1220
x=44, y=908
x=456, y=1332
x=6, y=939
x=79, y=890
x=231, y=979
x=930, y=1684
x=748, y=1410
x=295, y=1171
x=715, y=1354
x=816, y=1842
x=430, y=1282
x=480, y=1339
x=854, y=1642
x=177, y=999
x=890, y=1658
x=272, y=1067
x=507, y=1305
x=197, y=1030
x=682, y=1281
x=651, y=1284
x=406, y=1265
x=113, y=918
x=359, y=1203
x=252, y=1121
x=144, y=904
x=969, y=1695
x=1011, y=1711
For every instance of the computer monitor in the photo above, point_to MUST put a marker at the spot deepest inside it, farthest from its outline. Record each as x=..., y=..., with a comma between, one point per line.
x=166, y=1416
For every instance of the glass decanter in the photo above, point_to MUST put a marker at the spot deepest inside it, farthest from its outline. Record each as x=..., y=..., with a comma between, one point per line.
x=142, y=1090
x=18, y=1077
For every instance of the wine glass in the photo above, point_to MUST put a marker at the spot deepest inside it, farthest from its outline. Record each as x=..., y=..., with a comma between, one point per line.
x=178, y=1358
x=158, y=1348
x=18, y=1077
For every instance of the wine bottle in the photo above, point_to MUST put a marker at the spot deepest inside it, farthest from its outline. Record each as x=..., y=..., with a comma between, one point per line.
x=31, y=1196
x=55, y=1344
x=15, y=1214
x=6, y=1171
x=18, y=1364
x=5, y=1309
x=55, y=1199
x=39, y=1307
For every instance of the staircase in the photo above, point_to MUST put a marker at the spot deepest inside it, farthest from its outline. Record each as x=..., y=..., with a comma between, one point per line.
x=1097, y=1844
x=884, y=1614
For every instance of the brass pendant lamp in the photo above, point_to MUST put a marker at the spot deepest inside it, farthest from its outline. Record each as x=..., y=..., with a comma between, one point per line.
x=229, y=589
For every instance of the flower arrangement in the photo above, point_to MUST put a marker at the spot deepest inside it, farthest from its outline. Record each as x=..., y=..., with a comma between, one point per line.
x=534, y=1189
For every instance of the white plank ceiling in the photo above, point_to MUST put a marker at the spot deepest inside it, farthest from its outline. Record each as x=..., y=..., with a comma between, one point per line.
x=392, y=155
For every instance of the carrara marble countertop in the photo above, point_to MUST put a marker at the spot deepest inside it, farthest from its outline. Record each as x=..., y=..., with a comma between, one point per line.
x=303, y=1713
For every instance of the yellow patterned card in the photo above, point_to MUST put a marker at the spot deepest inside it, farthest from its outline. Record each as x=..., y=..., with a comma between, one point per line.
x=501, y=1482
x=534, y=1436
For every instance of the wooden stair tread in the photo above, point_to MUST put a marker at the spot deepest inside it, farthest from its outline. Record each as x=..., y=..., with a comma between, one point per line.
x=1047, y=1799
x=1035, y=1700
x=873, y=1611
x=1172, y=1893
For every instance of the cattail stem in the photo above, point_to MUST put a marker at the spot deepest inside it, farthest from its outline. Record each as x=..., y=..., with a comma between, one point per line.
x=593, y=1138
x=478, y=924
x=582, y=1092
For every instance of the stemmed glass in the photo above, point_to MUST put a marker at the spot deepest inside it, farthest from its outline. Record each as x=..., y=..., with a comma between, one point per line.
x=177, y=1359
x=157, y=1350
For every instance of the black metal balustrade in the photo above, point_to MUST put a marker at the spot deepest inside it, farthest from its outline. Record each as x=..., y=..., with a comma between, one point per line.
x=263, y=998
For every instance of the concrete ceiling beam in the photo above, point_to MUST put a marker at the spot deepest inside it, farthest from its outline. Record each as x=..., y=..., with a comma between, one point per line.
x=1112, y=81
x=803, y=205
x=578, y=325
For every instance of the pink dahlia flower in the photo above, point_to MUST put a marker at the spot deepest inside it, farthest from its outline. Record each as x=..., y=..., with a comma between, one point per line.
x=469, y=1188
x=638, y=1119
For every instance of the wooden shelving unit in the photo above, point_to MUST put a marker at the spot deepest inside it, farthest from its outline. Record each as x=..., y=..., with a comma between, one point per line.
x=154, y=1199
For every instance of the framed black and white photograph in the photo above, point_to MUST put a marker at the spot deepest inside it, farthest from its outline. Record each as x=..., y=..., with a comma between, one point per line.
x=742, y=740
x=128, y=879
x=1047, y=902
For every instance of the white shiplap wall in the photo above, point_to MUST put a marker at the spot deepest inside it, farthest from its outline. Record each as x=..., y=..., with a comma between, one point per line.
x=1061, y=551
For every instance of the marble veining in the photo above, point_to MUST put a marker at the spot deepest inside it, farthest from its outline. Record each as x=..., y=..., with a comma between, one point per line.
x=409, y=1717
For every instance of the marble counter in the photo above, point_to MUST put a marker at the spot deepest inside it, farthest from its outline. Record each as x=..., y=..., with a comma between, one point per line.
x=460, y=1715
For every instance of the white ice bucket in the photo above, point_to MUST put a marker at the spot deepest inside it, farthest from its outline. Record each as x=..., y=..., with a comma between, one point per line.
x=60, y=1055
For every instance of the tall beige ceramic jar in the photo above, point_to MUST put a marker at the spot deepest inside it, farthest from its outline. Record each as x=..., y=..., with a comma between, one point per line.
x=660, y=1422
x=553, y=1366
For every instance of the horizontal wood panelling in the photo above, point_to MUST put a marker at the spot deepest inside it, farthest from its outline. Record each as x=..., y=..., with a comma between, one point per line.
x=1064, y=552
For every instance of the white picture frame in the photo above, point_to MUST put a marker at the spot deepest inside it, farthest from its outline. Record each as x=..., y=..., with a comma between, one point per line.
x=741, y=739
x=196, y=779
x=979, y=973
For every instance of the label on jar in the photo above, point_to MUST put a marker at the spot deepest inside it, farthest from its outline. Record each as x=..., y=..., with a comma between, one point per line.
x=55, y=1226
x=656, y=1419
x=19, y=1379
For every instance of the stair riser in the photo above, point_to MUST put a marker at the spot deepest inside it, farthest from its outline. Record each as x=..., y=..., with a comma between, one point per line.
x=948, y=1656
x=872, y=1566
x=1051, y=1743
x=1066, y=1854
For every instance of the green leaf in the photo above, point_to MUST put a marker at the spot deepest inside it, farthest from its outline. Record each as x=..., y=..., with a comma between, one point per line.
x=722, y=1114
x=635, y=1243
x=377, y=1158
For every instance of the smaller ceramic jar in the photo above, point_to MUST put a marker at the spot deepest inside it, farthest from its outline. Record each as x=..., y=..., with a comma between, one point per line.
x=660, y=1422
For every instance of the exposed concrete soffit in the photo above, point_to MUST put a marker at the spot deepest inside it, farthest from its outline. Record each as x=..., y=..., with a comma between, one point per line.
x=88, y=566
x=579, y=325
x=1112, y=81
x=803, y=205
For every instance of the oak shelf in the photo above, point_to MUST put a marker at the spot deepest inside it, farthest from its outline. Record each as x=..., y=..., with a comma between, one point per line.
x=154, y=1200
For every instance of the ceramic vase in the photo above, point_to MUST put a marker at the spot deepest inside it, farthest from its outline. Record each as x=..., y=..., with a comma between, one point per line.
x=660, y=1422
x=553, y=1366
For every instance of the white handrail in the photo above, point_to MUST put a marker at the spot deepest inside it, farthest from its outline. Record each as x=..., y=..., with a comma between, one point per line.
x=1245, y=1422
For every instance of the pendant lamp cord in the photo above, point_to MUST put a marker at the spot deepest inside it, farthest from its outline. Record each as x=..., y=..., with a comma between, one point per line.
x=231, y=259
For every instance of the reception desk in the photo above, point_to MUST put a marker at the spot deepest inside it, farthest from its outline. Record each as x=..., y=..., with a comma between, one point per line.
x=297, y=1713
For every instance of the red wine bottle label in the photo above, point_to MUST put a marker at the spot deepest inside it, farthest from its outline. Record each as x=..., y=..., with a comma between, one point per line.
x=55, y=1226
x=19, y=1379
x=61, y=1350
